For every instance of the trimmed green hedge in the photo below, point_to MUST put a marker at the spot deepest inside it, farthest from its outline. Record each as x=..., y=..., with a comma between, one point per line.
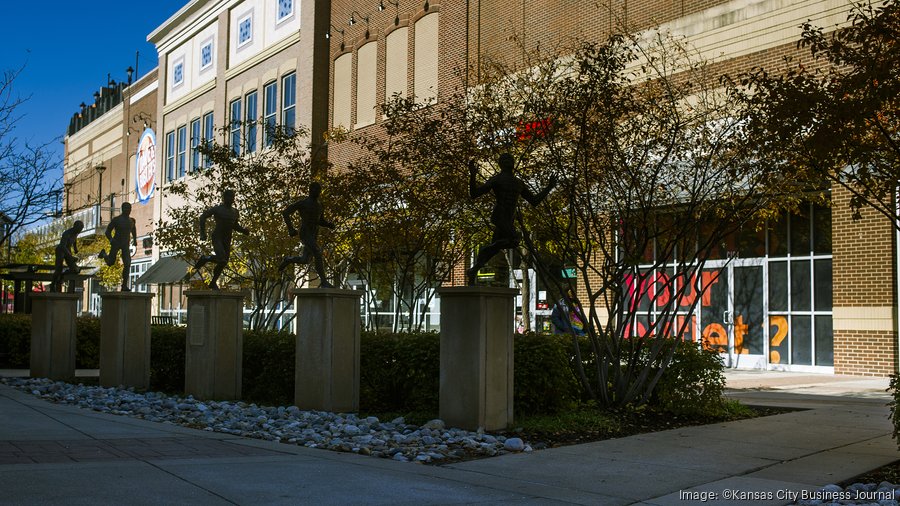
x=15, y=341
x=398, y=372
x=167, y=358
x=894, y=389
x=268, y=367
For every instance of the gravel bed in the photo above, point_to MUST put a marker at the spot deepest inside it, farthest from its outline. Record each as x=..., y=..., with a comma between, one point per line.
x=881, y=494
x=432, y=442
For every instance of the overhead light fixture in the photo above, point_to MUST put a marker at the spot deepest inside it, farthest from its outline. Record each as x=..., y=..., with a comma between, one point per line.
x=382, y=8
x=339, y=30
x=353, y=21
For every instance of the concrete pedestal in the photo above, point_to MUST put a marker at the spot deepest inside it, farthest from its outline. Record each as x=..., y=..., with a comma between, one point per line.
x=214, y=345
x=125, y=339
x=477, y=357
x=327, y=363
x=53, y=335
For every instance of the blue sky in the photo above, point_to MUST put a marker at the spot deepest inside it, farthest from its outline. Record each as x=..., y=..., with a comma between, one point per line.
x=68, y=48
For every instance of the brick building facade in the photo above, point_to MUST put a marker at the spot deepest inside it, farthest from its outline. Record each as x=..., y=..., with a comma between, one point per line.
x=828, y=302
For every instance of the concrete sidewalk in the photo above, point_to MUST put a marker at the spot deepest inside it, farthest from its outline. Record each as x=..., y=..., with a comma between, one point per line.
x=56, y=454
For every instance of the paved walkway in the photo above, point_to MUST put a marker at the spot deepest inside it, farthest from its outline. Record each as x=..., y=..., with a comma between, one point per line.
x=55, y=454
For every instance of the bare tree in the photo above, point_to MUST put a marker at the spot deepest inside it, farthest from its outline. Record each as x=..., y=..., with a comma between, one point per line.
x=656, y=170
x=28, y=178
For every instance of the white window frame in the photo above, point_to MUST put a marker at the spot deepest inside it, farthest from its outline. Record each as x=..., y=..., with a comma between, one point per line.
x=250, y=121
x=178, y=62
x=281, y=19
x=292, y=108
x=212, y=54
x=208, y=134
x=181, y=151
x=234, y=125
x=269, y=130
x=248, y=18
x=195, y=140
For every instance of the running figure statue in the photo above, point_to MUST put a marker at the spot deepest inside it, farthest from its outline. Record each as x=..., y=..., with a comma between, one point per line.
x=311, y=217
x=507, y=189
x=226, y=217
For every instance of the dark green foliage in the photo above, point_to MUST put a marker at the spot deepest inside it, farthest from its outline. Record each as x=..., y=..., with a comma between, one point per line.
x=894, y=389
x=693, y=383
x=87, y=342
x=268, y=367
x=15, y=340
x=167, y=358
x=544, y=382
x=399, y=372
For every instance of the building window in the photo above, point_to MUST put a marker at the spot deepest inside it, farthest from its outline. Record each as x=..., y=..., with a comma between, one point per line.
x=270, y=108
x=135, y=272
x=245, y=30
x=195, y=145
x=236, y=127
x=426, y=59
x=800, y=288
x=289, y=103
x=206, y=55
x=366, y=63
x=340, y=109
x=178, y=72
x=170, y=156
x=250, y=118
x=181, y=156
x=396, y=63
x=285, y=9
x=208, y=136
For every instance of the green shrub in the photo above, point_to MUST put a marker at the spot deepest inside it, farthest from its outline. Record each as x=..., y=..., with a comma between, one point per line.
x=268, y=367
x=544, y=381
x=167, y=343
x=894, y=389
x=87, y=342
x=15, y=340
x=399, y=372
x=693, y=383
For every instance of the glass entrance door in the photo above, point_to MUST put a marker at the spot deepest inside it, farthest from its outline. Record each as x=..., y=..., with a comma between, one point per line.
x=732, y=312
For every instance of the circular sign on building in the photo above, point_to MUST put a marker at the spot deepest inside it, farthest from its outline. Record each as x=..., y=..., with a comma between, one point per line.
x=145, y=166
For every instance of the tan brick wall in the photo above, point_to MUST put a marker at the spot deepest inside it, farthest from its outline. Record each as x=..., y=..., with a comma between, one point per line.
x=863, y=250
x=863, y=278
x=866, y=353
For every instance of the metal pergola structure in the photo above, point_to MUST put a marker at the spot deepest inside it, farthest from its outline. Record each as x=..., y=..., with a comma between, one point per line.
x=26, y=277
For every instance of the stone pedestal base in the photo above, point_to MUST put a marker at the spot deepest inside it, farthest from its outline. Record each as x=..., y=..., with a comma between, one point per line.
x=477, y=357
x=125, y=339
x=327, y=363
x=214, y=345
x=53, y=335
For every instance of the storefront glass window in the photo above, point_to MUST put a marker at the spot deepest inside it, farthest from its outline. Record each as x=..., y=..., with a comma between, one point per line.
x=800, y=285
x=801, y=340
x=778, y=300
